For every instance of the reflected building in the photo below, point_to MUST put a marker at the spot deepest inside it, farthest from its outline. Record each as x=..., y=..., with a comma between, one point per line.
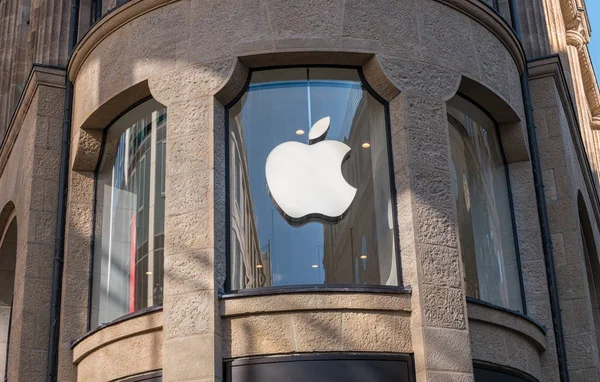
x=352, y=246
x=487, y=177
x=250, y=265
x=129, y=246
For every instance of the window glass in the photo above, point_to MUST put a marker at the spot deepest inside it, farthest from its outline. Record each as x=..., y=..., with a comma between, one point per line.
x=271, y=246
x=481, y=192
x=130, y=209
x=325, y=367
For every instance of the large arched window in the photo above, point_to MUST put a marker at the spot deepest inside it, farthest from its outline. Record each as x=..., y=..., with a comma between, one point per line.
x=130, y=211
x=485, y=222
x=309, y=182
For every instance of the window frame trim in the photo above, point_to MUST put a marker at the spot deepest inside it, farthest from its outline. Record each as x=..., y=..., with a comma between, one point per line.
x=227, y=291
x=229, y=363
x=97, y=169
x=502, y=369
x=510, y=202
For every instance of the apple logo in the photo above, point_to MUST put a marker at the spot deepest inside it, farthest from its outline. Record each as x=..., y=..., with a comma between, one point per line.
x=305, y=182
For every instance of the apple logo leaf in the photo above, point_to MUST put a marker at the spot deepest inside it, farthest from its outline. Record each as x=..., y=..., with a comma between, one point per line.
x=305, y=182
x=319, y=130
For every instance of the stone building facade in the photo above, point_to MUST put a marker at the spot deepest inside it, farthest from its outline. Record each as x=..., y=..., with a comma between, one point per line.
x=138, y=241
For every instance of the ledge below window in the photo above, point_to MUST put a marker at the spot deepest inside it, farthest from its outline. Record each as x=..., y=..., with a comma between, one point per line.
x=130, y=345
x=294, y=289
x=307, y=322
x=503, y=337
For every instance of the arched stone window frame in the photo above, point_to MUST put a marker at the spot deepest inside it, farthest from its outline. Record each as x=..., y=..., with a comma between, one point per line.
x=500, y=134
x=369, y=69
x=107, y=150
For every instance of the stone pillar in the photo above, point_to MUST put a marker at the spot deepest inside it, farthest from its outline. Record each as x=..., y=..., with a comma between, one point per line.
x=560, y=180
x=18, y=69
x=192, y=333
x=431, y=263
x=49, y=31
x=34, y=174
x=555, y=25
x=78, y=240
x=533, y=28
x=189, y=308
x=8, y=18
x=76, y=269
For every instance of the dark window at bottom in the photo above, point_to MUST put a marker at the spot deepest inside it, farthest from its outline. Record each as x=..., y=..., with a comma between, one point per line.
x=322, y=368
x=492, y=373
x=154, y=376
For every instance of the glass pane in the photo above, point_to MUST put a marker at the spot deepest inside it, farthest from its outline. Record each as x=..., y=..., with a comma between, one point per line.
x=482, y=201
x=315, y=368
x=269, y=247
x=128, y=260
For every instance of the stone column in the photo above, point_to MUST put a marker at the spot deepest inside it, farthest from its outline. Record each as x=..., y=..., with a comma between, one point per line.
x=431, y=263
x=35, y=167
x=8, y=19
x=49, y=31
x=191, y=333
x=76, y=269
x=533, y=28
x=561, y=182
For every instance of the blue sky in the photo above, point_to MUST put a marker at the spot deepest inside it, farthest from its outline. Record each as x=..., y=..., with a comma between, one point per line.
x=593, y=8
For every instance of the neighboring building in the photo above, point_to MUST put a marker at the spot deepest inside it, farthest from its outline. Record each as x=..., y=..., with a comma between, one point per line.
x=146, y=244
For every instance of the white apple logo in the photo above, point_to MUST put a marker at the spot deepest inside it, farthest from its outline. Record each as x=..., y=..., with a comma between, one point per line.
x=306, y=182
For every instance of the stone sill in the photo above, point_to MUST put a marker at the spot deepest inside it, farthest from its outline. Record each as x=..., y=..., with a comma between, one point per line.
x=507, y=319
x=143, y=321
x=316, y=300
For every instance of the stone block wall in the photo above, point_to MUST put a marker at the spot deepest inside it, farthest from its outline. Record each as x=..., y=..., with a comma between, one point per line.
x=194, y=57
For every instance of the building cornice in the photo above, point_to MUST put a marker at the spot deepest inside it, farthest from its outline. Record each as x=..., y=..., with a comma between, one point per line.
x=552, y=67
x=575, y=17
x=578, y=35
x=38, y=76
x=590, y=84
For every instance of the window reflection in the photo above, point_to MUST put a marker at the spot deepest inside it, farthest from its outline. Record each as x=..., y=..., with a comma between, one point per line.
x=130, y=209
x=266, y=250
x=480, y=188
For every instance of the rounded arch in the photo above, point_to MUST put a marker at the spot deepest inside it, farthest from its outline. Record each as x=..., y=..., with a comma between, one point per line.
x=126, y=258
x=8, y=213
x=89, y=132
x=592, y=263
x=486, y=224
x=510, y=124
x=237, y=78
x=8, y=256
